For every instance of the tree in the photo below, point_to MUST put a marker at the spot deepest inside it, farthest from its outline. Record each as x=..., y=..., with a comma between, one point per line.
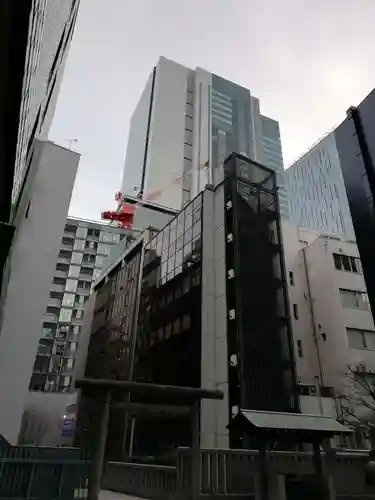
x=358, y=401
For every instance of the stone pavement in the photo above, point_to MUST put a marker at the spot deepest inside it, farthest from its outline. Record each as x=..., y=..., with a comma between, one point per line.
x=111, y=495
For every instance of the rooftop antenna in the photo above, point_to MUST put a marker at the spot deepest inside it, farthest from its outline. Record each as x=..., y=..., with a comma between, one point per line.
x=71, y=141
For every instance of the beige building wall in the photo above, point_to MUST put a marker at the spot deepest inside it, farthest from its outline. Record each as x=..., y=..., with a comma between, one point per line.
x=322, y=351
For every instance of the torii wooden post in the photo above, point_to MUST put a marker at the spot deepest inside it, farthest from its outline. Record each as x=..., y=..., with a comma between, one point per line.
x=108, y=387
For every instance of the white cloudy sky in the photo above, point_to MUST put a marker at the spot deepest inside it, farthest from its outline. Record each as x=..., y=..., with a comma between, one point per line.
x=306, y=60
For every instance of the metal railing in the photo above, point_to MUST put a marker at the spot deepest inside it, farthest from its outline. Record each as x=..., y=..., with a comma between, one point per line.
x=148, y=481
x=233, y=474
x=41, y=473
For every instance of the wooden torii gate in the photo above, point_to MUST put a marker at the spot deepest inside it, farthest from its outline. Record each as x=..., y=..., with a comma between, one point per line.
x=106, y=389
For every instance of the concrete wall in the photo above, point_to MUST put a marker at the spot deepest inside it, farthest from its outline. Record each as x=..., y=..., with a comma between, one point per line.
x=33, y=259
x=167, y=132
x=135, y=153
x=202, y=133
x=322, y=319
x=331, y=317
x=214, y=367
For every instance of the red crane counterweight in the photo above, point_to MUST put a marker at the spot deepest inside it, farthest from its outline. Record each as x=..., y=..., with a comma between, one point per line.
x=124, y=215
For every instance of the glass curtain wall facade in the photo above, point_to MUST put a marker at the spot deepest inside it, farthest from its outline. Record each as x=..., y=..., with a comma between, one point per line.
x=110, y=352
x=260, y=350
x=169, y=334
x=238, y=126
x=355, y=140
x=317, y=194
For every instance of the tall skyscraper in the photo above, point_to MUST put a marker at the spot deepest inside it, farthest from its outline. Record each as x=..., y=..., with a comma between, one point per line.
x=33, y=51
x=355, y=139
x=332, y=187
x=317, y=194
x=185, y=125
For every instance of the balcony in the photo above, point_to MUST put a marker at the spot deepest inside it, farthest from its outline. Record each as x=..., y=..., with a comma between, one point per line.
x=50, y=318
x=86, y=277
x=90, y=251
x=57, y=288
x=44, y=350
x=76, y=321
x=88, y=263
x=67, y=246
x=92, y=237
x=63, y=260
x=61, y=274
x=53, y=302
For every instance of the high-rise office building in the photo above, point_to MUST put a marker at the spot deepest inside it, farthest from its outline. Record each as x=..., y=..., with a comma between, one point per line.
x=332, y=187
x=185, y=125
x=317, y=194
x=34, y=47
x=355, y=140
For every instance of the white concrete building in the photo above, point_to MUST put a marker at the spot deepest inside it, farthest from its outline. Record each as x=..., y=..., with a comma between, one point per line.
x=332, y=322
x=184, y=126
x=52, y=265
x=40, y=221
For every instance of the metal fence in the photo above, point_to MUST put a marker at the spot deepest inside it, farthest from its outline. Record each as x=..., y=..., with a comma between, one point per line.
x=42, y=473
x=235, y=474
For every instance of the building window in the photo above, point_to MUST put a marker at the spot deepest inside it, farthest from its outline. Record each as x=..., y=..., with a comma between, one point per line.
x=104, y=249
x=65, y=315
x=68, y=299
x=109, y=237
x=69, y=228
x=299, y=348
x=77, y=313
x=347, y=263
x=354, y=299
x=92, y=245
x=295, y=311
x=291, y=278
x=93, y=232
x=361, y=339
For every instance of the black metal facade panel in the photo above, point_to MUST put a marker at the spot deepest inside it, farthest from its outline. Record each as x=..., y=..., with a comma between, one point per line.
x=14, y=27
x=261, y=363
x=355, y=141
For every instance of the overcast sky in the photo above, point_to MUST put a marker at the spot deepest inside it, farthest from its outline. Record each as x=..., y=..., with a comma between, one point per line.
x=306, y=60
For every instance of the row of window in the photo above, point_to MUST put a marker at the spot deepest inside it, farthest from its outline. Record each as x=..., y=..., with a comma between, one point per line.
x=84, y=232
x=64, y=315
x=51, y=330
x=82, y=245
x=354, y=299
x=50, y=383
x=347, y=263
x=72, y=285
x=361, y=339
x=82, y=258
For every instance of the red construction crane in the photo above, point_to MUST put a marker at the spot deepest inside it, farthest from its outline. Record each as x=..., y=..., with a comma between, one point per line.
x=124, y=214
